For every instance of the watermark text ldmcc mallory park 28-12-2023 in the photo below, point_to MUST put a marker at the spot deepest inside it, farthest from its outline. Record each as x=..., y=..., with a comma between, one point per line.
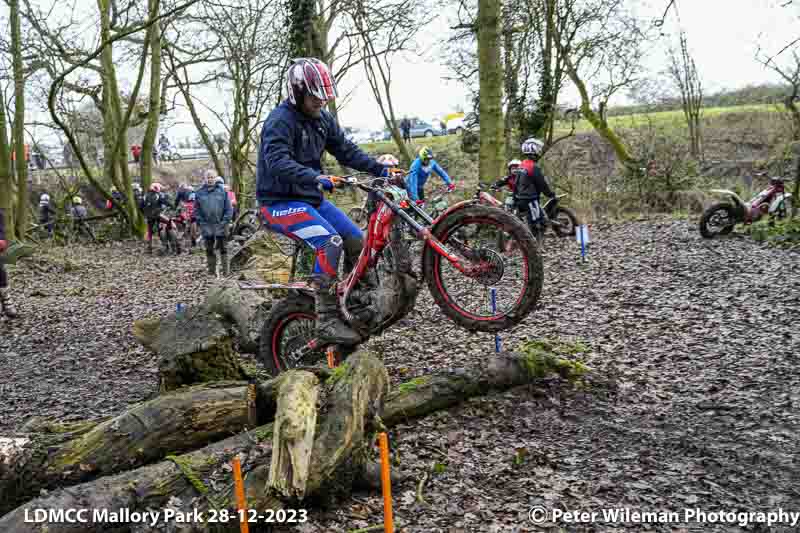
x=694, y=515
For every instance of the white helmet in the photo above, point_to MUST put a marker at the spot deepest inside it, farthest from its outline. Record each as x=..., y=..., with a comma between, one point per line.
x=44, y=199
x=532, y=147
x=312, y=76
x=388, y=160
x=77, y=200
x=514, y=163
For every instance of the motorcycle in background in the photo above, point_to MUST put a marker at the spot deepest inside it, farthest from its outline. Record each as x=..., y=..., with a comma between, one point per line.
x=721, y=217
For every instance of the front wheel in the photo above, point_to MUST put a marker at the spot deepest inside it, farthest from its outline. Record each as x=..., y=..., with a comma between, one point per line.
x=719, y=219
x=502, y=270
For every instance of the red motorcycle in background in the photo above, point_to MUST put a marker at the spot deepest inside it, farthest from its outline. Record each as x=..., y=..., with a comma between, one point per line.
x=720, y=218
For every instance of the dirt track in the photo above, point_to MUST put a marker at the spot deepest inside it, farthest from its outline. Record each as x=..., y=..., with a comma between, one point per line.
x=699, y=336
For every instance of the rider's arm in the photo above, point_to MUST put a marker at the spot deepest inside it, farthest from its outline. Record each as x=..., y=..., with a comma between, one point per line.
x=227, y=214
x=541, y=183
x=441, y=172
x=502, y=182
x=347, y=153
x=411, y=179
x=278, y=154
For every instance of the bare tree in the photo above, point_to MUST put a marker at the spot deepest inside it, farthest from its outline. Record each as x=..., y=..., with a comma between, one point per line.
x=601, y=42
x=683, y=72
x=386, y=28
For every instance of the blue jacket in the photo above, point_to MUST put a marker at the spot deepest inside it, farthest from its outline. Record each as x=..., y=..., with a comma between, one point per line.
x=289, y=160
x=418, y=175
x=213, y=210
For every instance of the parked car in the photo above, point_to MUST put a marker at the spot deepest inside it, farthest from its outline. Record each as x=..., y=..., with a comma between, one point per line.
x=360, y=136
x=420, y=128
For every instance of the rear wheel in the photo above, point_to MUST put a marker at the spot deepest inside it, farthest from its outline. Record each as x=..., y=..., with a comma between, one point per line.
x=289, y=327
x=566, y=222
x=514, y=270
x=719, y=219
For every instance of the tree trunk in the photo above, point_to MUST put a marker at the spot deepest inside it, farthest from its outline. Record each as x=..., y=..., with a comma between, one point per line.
x=154, y=104
x=21, y=211
x=194, y=347
x=6, y=174
x=173, y=423
x=490, y=75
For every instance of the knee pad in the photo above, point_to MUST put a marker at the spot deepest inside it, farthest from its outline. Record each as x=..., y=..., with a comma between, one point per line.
x=328, y=256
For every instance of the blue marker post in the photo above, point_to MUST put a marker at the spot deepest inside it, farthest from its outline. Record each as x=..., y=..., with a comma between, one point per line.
x=582, y=236
x=179, y=309
x=493, y=292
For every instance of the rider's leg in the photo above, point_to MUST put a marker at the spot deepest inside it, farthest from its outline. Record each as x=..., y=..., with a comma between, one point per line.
x=300, y=221
x=5, y=300
x=152, y=228
x=352, y=236
x=211, y=255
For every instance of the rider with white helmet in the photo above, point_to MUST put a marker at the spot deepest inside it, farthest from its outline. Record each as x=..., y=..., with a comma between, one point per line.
x=531, y=183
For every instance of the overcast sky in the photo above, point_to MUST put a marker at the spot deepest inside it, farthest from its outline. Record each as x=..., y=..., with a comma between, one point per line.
x=723, y=36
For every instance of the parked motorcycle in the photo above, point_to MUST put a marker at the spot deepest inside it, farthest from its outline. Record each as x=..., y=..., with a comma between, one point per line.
x=720, y=218
x=459, y=272
x=245, y=225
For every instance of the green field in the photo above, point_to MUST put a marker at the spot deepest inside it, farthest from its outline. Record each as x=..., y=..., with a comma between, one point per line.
x=674, y=118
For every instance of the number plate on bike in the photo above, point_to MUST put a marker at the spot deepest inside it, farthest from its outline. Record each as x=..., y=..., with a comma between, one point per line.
x=398, y=194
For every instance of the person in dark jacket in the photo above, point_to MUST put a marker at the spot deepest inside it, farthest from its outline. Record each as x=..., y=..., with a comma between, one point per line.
x=289, y=172
x=5, y=300
x=214, y=212
x=405, y=129
x=152, y=205
x=46, y=213
x=531, y=184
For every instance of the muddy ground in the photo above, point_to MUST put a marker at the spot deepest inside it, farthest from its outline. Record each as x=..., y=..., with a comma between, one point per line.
x=699, y=338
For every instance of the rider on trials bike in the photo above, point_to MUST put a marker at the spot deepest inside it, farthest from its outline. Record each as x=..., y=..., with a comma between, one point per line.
x=289, y=179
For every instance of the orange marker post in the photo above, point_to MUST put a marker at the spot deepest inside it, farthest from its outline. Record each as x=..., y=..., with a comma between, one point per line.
x=241, y=504
x=386, y=482
x=333, y=358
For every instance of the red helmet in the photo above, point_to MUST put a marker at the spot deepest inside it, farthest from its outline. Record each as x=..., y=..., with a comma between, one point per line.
x=312, y=76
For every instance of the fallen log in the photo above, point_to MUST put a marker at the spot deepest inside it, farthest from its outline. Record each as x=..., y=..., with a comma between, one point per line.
x=295, y=427
x=342, y=435
x=426, y=394
x=172, y=423
x=201, y=480
x=246, y=309
x=195, y=346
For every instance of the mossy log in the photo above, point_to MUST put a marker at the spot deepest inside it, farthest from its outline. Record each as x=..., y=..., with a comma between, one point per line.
x=195, y=346
x=201, y=479
x=173, y=423
x=247, y=310
x=426, y=394
x=358, y=397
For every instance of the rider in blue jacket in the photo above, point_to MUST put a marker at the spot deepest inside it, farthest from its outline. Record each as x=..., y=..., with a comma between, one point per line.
x=289, y=174
x=419, y=173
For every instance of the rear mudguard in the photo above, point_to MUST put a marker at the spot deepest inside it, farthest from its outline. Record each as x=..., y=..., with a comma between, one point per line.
x=740, y=207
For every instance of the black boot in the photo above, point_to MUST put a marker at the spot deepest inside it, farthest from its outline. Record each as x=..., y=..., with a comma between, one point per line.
x=5, y=303
x=149, y=247
x=211, y=260
x=352, y=250
x=331, y=329
x=226, y=268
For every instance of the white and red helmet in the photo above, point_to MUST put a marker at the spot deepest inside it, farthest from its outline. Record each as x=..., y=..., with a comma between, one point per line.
x=312, y=76
x=388, y=160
